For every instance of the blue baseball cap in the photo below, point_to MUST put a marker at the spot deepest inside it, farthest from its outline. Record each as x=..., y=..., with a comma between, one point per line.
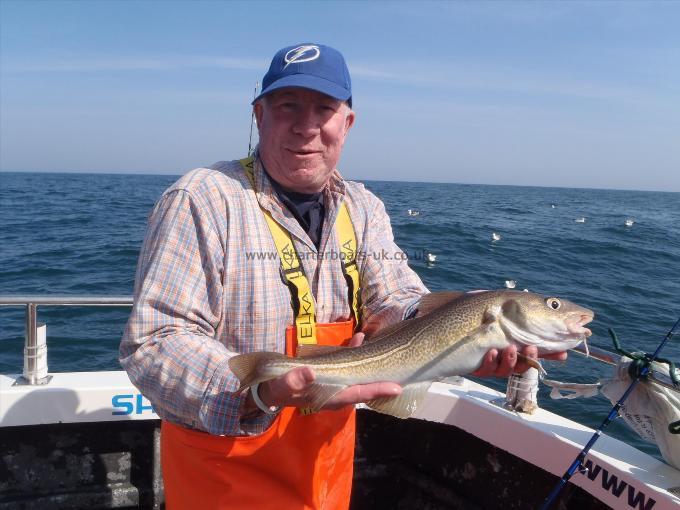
x=309, y=66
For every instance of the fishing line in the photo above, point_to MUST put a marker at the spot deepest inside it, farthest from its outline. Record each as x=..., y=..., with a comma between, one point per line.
x=578, y=462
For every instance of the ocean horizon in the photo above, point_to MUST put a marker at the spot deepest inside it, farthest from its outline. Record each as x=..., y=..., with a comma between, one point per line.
x=178, y=175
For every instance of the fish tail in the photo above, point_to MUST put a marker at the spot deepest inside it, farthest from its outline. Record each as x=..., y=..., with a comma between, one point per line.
x=250, y=368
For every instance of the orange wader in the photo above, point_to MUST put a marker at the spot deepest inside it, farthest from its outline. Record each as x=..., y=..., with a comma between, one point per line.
x=301, y=461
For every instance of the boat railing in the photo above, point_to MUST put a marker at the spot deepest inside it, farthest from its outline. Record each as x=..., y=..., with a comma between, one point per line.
x=35, y=349
x=35, y=345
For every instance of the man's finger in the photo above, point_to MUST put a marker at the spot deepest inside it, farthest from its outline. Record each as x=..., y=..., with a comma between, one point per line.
x=298, y=379
x=356, y=340
x=531, y=351
x=528, y=351
x=489, y=364
x=363, y=393
x=286, y=389
x=508, y=360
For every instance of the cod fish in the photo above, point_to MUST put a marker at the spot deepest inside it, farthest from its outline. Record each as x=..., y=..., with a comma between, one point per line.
x=450, y=336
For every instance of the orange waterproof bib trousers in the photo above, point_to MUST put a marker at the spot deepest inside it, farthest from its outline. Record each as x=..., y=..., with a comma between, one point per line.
x=300, y=462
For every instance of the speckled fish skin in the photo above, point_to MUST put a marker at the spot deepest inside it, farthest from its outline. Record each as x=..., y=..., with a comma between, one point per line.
x=451, y=340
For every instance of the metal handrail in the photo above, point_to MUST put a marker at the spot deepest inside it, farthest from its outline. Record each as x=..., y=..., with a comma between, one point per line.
x=30, y=374
x=31, y=332
x=66, y=300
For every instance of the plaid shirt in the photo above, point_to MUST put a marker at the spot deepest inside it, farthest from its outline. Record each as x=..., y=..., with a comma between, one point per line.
x=208, y=286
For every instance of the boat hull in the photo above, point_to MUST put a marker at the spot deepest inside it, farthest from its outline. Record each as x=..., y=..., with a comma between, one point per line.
x=90, y=440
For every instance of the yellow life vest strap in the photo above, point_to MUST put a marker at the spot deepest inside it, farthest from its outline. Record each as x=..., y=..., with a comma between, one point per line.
x=303, y=301
x=348, y=250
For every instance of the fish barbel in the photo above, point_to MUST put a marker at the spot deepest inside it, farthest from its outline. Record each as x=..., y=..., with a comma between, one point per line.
x=450, y=336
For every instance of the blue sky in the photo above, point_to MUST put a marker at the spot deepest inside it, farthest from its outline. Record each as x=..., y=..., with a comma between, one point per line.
x=576, y=94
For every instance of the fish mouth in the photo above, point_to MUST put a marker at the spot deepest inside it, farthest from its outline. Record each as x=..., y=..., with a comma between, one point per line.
x=575, y=324
x=551, y=336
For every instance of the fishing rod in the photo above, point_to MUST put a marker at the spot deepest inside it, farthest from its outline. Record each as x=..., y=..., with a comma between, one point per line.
x=252, y=121
x=578, y=462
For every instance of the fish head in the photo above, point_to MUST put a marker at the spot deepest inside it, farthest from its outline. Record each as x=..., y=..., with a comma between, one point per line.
x=551, y=323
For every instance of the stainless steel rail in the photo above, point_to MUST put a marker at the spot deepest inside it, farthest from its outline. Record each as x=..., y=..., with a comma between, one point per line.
x=66, y=300
x=31, y=304
x=31, y=329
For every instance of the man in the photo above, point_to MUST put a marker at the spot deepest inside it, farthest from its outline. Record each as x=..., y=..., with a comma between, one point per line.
x=261, y=254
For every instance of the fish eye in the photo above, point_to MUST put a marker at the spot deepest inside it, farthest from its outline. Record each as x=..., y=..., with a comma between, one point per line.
x=553, y=303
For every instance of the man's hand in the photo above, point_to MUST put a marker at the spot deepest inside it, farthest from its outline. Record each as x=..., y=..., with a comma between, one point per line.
x=505, y=362
x=290, y=389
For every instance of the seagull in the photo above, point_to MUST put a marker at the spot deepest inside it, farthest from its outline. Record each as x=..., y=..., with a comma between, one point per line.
x=495, y=236
x=580, y=220
x=431, y=258
x=629, y=222
x=553, y=206
x=413, y=212
x=510, y=284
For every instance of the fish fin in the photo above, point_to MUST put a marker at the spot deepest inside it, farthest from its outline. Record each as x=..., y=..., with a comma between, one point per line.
x=532, y=362
x=491, y=314
x=427, y=304
x=307, y=350
x=319, y=394
x=430, y=302
x=404, y=405
x=388, y=330
x=245, y=367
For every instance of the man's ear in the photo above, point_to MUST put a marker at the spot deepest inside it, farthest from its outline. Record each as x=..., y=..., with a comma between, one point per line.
x=257, y=108
x=349, y=121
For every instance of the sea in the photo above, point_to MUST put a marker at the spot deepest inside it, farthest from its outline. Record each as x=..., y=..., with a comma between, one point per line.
x=80, y=234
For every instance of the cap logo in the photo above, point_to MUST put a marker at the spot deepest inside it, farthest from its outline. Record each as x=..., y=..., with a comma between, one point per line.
x=305, y=53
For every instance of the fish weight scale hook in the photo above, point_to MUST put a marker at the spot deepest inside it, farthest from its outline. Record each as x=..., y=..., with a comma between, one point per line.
x=578, y=462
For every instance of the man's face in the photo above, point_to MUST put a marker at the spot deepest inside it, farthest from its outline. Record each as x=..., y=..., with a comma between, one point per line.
x=301, y=136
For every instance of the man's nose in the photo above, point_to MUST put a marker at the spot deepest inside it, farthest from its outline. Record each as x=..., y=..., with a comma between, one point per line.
x=307, y=122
